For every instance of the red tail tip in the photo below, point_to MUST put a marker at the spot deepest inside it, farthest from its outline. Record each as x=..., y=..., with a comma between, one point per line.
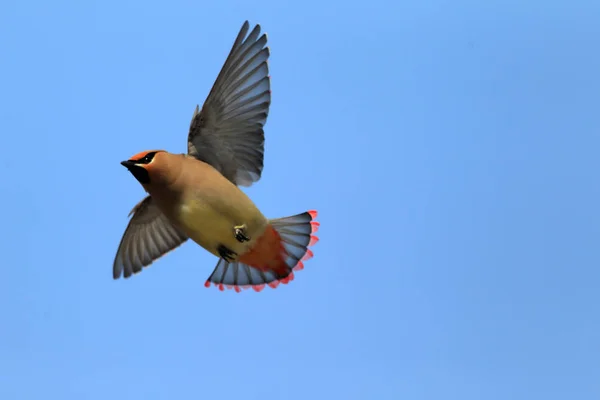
x=288, y=278
x=313, y=213
x=274, y=284
x=258, y=288
x=308, y=255
x=315, y=226
x=207, y=284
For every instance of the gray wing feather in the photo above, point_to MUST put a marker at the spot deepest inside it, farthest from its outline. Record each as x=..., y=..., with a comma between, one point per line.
x=148, y=236
x=228, y=132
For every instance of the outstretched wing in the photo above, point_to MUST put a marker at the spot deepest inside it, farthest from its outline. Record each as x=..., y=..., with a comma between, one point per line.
x=149, y=235
x=228, y=132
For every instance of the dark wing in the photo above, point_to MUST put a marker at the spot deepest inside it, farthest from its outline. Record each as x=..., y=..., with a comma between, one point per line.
x=149, y=235
x=228, y=132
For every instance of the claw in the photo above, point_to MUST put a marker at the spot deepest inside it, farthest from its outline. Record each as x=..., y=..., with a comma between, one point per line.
x=240, y=233
x=226, y=254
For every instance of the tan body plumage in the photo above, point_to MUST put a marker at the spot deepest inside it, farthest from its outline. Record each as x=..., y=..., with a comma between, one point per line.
x=203, y=204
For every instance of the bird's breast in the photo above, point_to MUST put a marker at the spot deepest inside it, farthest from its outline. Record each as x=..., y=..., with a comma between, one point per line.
x=211, y=225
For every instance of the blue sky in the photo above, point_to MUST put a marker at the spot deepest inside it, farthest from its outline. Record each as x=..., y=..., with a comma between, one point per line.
x=451, y=149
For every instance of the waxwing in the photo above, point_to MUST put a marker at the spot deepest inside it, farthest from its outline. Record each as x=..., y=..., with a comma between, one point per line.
x=197, y=196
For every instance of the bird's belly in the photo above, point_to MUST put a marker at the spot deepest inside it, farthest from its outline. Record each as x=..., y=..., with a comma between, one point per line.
x=209, y=228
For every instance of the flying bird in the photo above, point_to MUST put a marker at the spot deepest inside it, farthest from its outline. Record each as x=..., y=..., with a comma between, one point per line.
x=197, y=195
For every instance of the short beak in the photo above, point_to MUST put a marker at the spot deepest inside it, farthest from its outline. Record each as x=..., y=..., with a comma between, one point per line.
x=128, y=164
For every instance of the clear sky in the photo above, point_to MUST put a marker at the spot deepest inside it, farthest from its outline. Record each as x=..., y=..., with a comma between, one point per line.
x=451, y=148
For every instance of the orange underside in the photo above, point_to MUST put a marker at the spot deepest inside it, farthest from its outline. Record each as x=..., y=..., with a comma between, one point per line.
x=267, y=254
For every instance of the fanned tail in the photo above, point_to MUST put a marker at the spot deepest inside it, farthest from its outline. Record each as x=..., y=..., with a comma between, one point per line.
x=281, y=250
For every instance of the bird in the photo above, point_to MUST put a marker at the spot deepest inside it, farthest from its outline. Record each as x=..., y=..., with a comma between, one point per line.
x=197, y=195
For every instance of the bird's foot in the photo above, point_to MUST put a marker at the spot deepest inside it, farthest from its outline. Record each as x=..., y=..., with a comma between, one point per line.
x=226, y=254
x=240, y=233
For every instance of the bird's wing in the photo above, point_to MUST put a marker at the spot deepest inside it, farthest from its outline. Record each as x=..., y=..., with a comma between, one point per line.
x=227, y=132
x=148, y=236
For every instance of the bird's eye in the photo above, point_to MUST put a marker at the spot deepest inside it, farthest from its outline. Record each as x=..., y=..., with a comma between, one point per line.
x=147, y=158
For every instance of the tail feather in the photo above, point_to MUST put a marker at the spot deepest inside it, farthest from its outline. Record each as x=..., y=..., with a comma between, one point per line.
x=295, y=235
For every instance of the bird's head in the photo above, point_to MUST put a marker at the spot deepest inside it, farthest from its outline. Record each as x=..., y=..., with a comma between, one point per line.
x=147, y=165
